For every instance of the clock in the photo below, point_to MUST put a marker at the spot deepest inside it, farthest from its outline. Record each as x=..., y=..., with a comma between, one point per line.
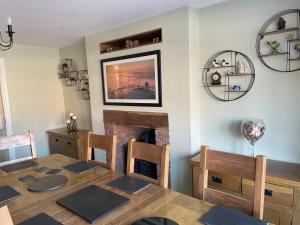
x=216, y=78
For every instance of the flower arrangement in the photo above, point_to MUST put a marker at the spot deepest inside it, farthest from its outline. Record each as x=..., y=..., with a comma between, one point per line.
x=71, y=123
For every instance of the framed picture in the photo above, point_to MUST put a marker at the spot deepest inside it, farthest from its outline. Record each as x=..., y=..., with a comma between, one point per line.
x=132, y=80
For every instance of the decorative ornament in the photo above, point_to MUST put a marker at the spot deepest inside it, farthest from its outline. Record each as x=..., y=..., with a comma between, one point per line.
x=274, y=45
x=253, y=130
x=82, y=85
x=241, y=67
x=281, y=23
x=215, y=63
x=216, y=78
x=68, y=72
x=225, y=63
x=71, y=123
x=235, y=87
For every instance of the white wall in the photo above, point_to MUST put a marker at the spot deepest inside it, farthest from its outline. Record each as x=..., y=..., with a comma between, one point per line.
x=274, y=96
x=175, y=83
x=34, y=91
x=73, y=103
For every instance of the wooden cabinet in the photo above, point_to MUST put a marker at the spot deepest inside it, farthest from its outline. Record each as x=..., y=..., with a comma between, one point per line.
x=282, y=191
x=66, y=143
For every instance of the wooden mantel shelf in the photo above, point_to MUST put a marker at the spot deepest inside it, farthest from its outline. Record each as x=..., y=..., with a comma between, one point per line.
x=151, y=120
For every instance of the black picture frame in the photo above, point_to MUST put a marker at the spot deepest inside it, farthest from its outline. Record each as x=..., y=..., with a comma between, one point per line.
x=148, y=85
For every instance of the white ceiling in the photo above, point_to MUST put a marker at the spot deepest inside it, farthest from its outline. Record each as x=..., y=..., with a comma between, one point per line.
x=58, y=23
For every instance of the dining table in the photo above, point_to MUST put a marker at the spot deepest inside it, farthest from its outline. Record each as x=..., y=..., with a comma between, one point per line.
x=152, y=201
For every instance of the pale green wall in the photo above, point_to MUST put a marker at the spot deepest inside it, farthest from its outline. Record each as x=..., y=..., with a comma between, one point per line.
x=34, y=91
x=274, y=96
x=73, y=103
x=175, y=83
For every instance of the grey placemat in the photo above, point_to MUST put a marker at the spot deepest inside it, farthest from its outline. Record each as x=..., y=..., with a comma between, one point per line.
x=129, y=184
x=53, y=171
x=26, y=178
x=40, y=219
x=220, y=215
x=47, y=183
x=155, y=221
x=93, y=203
x=7, y=193
x=80, y=167
x=41, y=169
x=18, y=166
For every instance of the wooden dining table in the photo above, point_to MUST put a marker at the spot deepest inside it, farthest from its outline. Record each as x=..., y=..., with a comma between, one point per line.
x=152, y=201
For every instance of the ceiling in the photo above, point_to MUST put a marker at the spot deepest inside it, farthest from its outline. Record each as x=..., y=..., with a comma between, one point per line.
x=58, y=23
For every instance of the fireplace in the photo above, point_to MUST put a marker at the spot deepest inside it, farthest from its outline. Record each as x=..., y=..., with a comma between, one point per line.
x=146, y=127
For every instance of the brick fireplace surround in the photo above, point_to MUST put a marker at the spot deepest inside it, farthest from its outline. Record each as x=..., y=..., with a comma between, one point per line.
x=129, y=124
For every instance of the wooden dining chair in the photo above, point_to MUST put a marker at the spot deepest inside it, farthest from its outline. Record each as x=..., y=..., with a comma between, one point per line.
x=152, y=153
x=18, y=140
x=5, y=218
x=107, y=143
x=235, y=165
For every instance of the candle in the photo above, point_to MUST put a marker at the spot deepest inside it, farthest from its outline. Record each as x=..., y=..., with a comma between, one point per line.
x=74, y=117
x=68, y=121
x=71, y=114
x=9, y=21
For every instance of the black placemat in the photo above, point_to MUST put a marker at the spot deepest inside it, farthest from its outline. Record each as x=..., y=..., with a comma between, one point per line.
x=80, y=167
x=53, y=171
x=40, y=219
x=48, y=183
x=26, y=178
x=129, y=184
x=41, y=169
x=155, y=221
x=18, y=166
x=93, y=203
x=220, y=215
x=7, y=193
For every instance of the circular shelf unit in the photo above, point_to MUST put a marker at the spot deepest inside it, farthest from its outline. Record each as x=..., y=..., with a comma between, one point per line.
x=234, y=82
x=287, y=58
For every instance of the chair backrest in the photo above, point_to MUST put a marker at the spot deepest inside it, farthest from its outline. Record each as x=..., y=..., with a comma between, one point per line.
x=18, y=140
x=159, y=155
x=107, y=143
x=5, y=218
x=235, y=165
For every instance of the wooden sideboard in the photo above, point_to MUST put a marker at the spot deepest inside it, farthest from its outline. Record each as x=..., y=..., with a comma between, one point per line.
x=282, y=193
x=67, y=143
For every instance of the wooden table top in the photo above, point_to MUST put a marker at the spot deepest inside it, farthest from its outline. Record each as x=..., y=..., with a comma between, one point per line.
x=153, y=201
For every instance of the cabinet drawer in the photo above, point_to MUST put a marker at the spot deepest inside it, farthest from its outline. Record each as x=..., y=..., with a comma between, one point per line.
x=274, y=194
x=224, y=182
x=70, y=148
x=56, y=144
x=278, y=215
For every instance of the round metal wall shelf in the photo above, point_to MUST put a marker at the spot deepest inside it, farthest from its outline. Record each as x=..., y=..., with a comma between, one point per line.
x=287, y=57
x=236, y=75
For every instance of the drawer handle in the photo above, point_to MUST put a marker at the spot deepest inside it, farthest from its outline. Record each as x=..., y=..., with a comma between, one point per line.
x=217, y=179
x=69, y=143
x=56, y=140
x=268, y=192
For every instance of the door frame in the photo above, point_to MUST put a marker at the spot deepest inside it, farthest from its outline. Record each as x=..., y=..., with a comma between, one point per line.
x=6, y=108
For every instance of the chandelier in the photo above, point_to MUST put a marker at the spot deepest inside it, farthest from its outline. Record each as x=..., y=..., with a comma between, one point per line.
x=7, y=44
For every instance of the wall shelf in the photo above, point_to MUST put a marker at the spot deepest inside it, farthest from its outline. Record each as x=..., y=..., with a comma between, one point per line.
x=132, y=41
x=275, y=54
x=279, y=31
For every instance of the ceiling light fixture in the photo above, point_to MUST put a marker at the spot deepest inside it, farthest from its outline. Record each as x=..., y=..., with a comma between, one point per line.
x=5, y=45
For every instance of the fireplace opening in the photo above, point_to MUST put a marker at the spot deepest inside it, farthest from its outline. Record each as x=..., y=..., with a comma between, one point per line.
x=143, y=167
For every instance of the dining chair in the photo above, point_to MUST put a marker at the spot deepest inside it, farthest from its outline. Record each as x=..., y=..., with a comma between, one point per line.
x=107, y=143
x=18, y=140
x=235, y=165
x=151, y=153
x=5, y=218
